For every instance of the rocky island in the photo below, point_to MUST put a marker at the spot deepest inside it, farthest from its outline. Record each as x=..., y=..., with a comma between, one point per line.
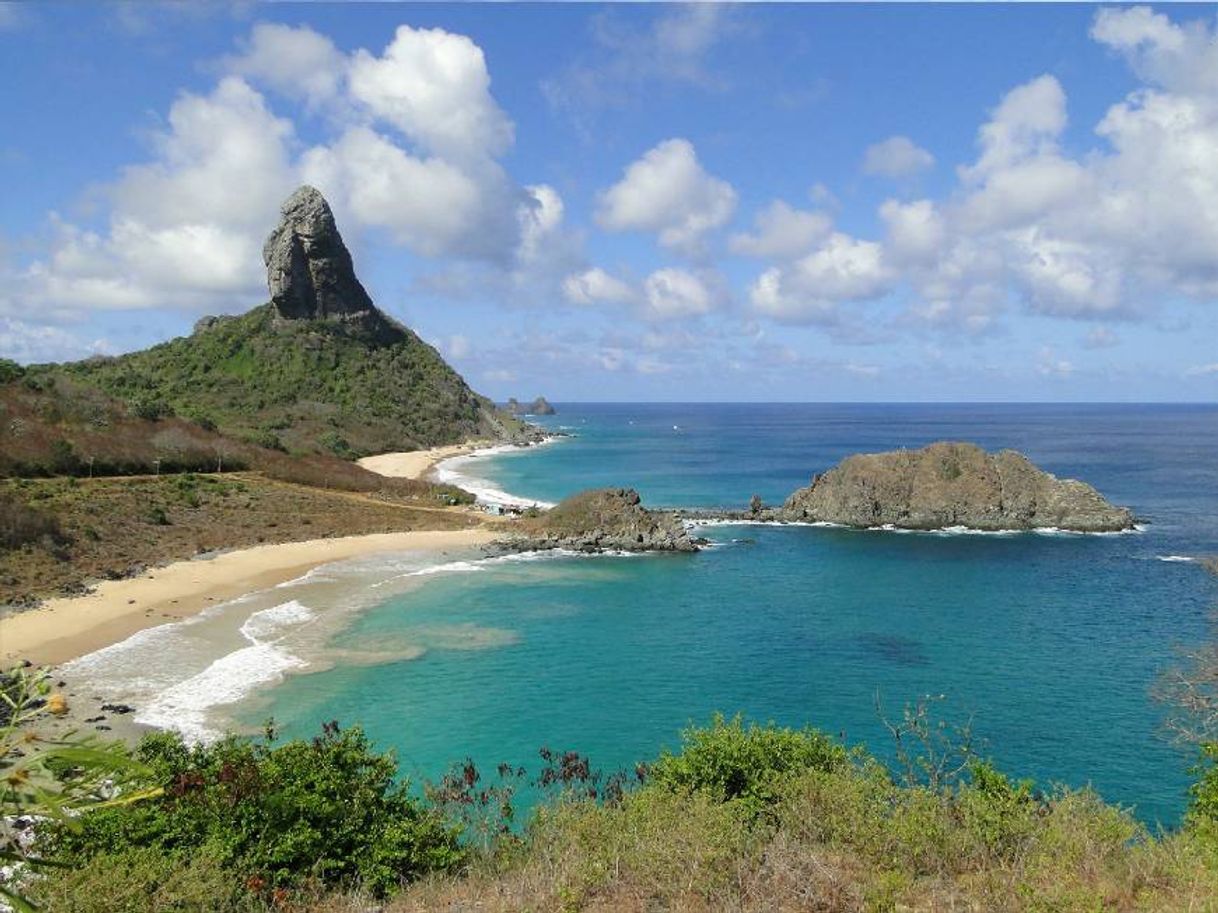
x=539, y=406
x=951, y=484
x=604, y=519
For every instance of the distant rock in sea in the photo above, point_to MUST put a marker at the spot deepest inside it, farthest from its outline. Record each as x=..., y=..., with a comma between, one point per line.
x=539, y=406
x=606, y=519
x=949, y=484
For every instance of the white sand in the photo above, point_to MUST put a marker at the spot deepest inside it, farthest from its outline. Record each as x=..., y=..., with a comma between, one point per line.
x=63, y=629
x=416, y=464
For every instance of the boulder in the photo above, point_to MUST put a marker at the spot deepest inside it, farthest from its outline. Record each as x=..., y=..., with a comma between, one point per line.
x=949, y=484
x=606, y=519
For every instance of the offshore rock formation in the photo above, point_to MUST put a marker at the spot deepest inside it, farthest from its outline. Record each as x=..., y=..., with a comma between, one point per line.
x=952, y=484
x=606, y=519
x=539, y=406
x=309, y=272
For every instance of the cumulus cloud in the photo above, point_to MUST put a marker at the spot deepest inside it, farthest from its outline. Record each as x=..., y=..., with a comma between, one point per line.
x=434, y=87
x=411, y=146
x=671, y=293
x=1103, y=234
x=782, y=231
x=596, y=286
x=295, y=61
x=896, y=157
x=184, y=230
x=842, y=269
x=668, y=192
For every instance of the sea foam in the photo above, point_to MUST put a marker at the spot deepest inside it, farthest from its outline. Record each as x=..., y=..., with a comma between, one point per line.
x=456, y=471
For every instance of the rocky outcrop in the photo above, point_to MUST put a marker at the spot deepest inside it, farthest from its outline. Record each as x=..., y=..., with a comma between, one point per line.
x=308, y=267
x=539, y=406
x=952, y=484
x=606, y=519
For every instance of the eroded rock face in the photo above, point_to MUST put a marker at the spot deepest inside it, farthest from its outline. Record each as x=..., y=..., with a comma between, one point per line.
x=952, y=484
x=308, y=267
x=607, y=519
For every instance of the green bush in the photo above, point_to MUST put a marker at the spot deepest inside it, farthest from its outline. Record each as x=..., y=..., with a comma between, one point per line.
x=152, y=408
x=10, y=371
x=728, y=760
x=326, y=811
x=1203, y=794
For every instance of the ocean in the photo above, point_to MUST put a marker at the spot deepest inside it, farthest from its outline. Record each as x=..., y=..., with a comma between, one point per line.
x=1047, y=644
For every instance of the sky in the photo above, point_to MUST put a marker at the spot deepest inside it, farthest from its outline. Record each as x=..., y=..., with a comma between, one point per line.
x=643, y=202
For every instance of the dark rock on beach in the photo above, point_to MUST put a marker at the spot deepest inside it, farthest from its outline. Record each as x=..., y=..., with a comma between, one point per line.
x=605, y=519
x=950, y=484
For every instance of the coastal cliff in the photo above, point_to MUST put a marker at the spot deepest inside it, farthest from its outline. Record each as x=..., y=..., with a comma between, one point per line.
x=606, y=519
x=949, y=484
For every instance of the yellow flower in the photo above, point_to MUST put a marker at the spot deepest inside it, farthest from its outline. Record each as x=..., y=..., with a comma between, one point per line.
x=57, y=704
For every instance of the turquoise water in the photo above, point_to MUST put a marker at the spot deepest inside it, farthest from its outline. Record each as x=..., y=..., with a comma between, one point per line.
x=1050, y=642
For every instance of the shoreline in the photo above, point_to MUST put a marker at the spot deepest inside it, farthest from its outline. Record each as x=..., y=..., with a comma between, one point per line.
x=67, y=628
x=419, y=464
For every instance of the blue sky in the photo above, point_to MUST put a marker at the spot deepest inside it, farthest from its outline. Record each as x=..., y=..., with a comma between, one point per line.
x=640, y=202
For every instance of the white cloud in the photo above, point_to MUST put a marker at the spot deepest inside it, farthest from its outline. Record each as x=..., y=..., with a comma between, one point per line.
x=672, y=293
x=915, y=231
x=31, y=344
x=295, y=61
x=668, y=192
x=185, y=230
x=808, y=291
x=1203, y=370
x=896, y=157
x=427, y=204
x=595, y=286
x=434, y=87
x=410, y=146
x=782, y=231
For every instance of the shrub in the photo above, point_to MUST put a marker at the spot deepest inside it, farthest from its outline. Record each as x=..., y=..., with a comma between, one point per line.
x=326, y=811
x=21, y=524
x=1203, y=793
x=151, y=408
x=10, y=371
x=728, y=761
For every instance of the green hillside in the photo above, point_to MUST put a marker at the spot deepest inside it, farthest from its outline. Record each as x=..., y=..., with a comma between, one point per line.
x=322, y=385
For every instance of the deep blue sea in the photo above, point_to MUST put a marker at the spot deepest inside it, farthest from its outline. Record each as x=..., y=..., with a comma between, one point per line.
x=1050, y=643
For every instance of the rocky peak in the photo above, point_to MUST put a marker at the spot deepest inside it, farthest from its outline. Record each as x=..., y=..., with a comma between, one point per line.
x=308, y=267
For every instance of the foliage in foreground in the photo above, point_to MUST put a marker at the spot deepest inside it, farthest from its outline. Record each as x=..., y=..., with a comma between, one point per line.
x=51, y=781
x=742, y=817
x=327, y=812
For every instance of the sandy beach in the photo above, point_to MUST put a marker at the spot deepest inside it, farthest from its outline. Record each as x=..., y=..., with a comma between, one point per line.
x=416, y=464
x=63, y=629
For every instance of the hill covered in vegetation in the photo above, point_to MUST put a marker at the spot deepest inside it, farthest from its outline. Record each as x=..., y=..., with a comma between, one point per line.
x=318, y=369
